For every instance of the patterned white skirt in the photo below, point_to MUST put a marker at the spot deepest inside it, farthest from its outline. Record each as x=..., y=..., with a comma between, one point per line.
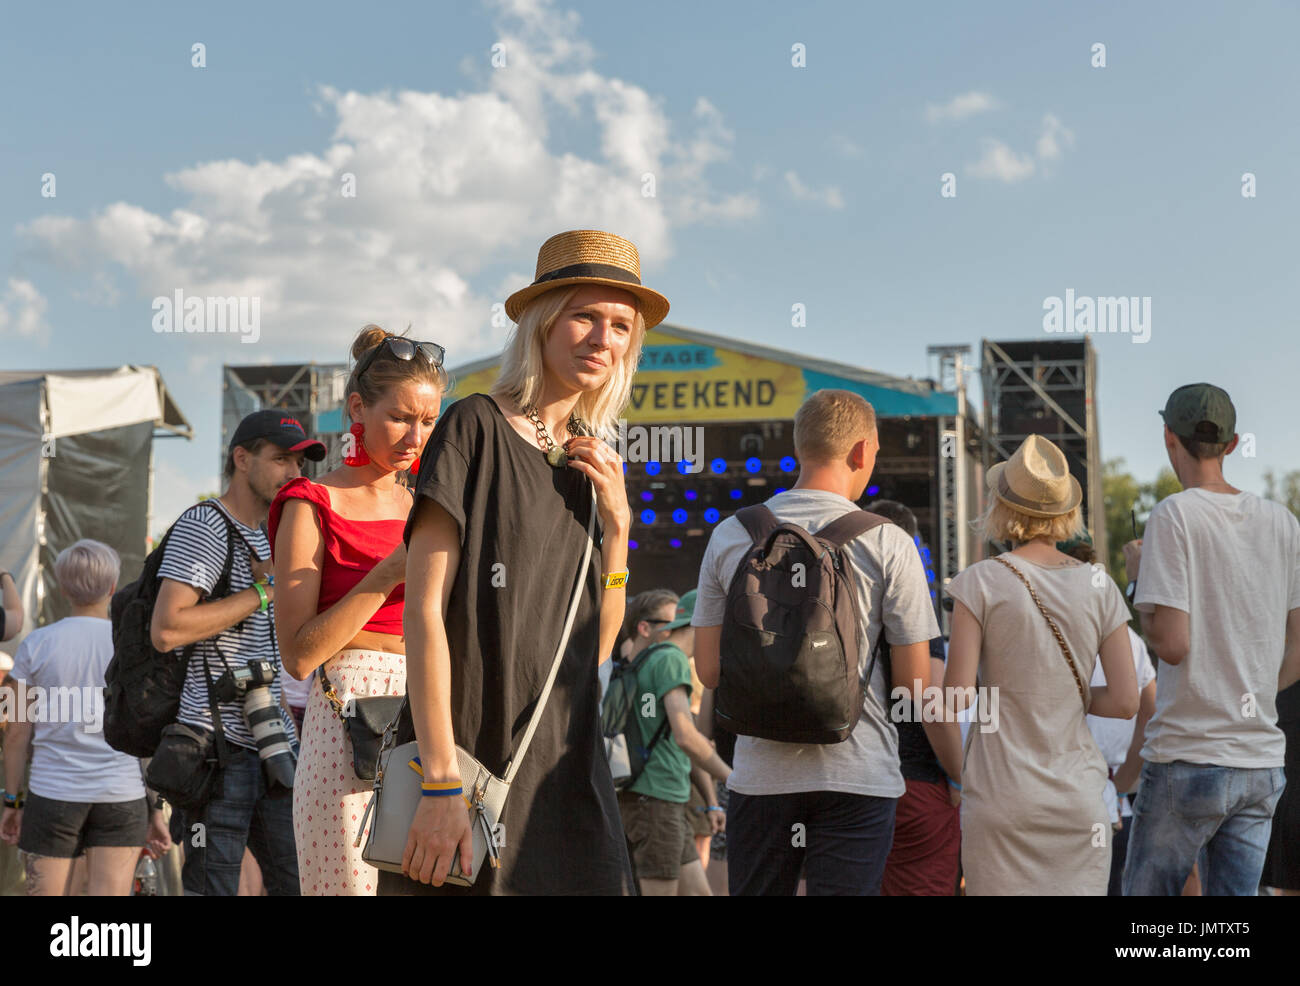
x=328, y=799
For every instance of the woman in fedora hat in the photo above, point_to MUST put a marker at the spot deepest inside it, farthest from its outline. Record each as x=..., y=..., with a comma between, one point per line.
x=495, y=544
x=1031, y=621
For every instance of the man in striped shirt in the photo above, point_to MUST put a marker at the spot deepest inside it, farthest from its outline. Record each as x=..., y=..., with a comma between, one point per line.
x=265, y=452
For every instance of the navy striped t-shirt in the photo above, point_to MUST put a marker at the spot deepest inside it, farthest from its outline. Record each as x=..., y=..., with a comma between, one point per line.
x=195, y=555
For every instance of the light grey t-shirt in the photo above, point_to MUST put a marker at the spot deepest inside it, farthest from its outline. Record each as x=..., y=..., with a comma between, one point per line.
x=62, y=669
x=1231, y=561
x=890, y=581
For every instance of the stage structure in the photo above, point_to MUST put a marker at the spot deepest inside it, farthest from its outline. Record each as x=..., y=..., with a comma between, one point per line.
x=1048, y=388
x=310, y=392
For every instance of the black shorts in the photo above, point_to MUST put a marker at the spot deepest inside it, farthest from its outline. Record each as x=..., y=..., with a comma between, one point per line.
x=64, y=829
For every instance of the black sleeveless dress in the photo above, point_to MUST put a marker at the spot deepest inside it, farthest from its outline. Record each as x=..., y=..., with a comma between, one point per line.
x=523, y=528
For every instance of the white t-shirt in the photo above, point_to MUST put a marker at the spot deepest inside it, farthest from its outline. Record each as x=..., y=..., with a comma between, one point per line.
x=1114, y=736
x=1231, y=561
x=891, y=590
x=62, y=670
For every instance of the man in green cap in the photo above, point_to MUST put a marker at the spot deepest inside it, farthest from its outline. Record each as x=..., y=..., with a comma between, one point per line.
x=660, y=841
x=1216, y=582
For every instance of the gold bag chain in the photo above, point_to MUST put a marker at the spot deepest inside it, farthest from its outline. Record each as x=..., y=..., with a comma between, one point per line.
x=1060, y=639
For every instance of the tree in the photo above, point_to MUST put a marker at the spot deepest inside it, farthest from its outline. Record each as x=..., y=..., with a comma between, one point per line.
x=1124, y=497
x=1289, y=488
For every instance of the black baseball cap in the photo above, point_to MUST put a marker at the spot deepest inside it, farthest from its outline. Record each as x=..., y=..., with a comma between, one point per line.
x=281, y=428
x=1188, y=406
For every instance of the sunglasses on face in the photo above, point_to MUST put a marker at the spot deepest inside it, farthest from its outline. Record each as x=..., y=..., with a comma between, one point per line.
x=403, y=349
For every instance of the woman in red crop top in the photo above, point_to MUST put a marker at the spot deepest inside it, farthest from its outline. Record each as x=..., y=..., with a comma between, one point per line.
x=340, y=565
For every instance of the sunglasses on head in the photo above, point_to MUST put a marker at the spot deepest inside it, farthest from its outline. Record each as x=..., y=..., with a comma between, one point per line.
x=403, y=349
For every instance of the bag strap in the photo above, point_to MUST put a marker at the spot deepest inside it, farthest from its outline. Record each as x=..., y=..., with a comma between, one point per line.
x=513, y=767
x=759, y=522
x=215, y=709
x=842, y=530
x=1056, y=631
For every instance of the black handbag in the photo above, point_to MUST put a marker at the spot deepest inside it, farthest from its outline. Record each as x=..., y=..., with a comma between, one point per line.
x=364, y=721
x=187, y=760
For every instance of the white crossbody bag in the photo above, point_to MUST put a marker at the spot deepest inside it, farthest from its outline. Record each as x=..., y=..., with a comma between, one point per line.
x=397, y=782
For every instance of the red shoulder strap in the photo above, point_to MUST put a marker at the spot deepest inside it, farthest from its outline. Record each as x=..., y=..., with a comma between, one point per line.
x=301, y=488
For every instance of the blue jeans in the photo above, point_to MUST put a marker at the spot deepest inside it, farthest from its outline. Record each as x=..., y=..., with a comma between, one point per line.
x=839, y=840
x=240, y=814
x=1218, y=817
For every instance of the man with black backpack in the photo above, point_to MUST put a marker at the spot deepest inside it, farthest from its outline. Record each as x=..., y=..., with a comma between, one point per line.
x=648, y=701
x=214, y=610
x=793, y=596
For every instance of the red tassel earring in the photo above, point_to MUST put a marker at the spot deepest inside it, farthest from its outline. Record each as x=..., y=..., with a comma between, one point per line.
x=358, y=456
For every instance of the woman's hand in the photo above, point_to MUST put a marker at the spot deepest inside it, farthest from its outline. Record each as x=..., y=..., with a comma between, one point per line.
x=391, y=570
x=159, y=840
x=439, y=827
x=604, y=467
x=11, y=825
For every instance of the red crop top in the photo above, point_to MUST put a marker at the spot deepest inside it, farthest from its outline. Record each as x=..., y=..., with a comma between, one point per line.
x=352, y=548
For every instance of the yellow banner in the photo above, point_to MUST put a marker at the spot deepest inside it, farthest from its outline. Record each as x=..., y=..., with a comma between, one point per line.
x=679, y=380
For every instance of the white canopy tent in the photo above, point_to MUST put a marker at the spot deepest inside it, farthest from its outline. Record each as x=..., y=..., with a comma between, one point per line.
x=76, y=460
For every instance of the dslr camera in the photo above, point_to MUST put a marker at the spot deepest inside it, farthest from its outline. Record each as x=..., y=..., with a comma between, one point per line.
x=252, y=685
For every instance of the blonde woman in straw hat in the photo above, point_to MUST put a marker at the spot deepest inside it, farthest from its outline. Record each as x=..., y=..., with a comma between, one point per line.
x=1034, y=819
x=495, y=543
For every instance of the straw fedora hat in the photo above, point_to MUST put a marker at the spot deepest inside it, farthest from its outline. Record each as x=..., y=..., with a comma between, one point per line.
x=1036, y=480
x=589, y=256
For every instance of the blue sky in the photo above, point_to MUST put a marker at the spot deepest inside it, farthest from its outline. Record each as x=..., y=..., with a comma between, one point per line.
x=775, y=185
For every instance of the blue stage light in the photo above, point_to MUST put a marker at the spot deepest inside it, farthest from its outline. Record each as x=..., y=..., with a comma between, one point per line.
x=690, y=494
x=753, y=465
x=676, y=542
x=647, y=496
x=735, y=494
x=647, y=516
x=711, y=515
x=779, y=489
x=873, y=490
x=788, y=464
x=631, y=545
x=718, y=465
x=684, y=467
x=652, y=469
x=679, y=516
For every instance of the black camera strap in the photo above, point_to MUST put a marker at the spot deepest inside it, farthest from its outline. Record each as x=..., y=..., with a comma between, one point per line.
x=215, y=708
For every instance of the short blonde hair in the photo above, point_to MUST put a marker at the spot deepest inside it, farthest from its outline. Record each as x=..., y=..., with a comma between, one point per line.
x=520, y=376
x=1000, y=522
x=829, y=423
x=87, y=571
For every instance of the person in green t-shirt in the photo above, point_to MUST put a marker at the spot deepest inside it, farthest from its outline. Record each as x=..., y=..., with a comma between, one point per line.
x=659, y=838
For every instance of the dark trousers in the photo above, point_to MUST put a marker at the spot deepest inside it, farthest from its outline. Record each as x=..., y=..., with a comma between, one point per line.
x=840, y=842
x=240, y=815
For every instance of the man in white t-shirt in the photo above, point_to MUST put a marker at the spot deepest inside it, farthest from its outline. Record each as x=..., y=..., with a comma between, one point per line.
x=1218, y=593
x=828, y=808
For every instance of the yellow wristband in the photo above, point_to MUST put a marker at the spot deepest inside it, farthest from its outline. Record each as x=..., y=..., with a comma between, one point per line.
x=615, y=580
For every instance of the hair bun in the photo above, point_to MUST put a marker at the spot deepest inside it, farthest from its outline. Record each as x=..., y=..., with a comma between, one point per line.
x=370, y=337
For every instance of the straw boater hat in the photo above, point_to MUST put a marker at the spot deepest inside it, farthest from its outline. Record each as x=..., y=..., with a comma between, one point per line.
x=1036, y=480
x=588, y=256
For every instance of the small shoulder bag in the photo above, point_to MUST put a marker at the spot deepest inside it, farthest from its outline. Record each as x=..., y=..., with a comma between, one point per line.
x=1056, y=631
x=398, y=777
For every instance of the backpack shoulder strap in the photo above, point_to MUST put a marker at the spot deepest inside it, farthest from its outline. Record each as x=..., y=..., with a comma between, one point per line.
x=759, y=521
x=842, y=530
x=222, y=586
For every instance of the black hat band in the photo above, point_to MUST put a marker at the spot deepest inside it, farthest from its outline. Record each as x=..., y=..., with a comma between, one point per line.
x=591, y=270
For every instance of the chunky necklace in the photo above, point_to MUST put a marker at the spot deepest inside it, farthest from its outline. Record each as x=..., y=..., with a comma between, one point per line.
x=555, y=454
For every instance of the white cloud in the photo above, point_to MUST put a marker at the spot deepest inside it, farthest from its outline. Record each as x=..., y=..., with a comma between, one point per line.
x=960, y=107
x=1002, y=163
x=847, y=146
x=450, y=189
x=22, y=309
x=829, y=196
x=1054, y=135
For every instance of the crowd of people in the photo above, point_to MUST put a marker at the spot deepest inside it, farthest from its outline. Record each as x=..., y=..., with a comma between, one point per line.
x=432, y=590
